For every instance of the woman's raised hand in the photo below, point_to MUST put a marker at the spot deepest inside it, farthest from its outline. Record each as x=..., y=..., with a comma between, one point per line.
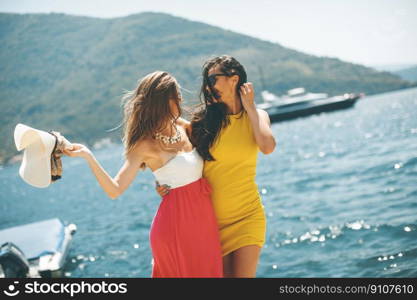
x=247, y=94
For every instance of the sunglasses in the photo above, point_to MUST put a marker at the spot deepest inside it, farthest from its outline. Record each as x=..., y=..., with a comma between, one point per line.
x=211, y=79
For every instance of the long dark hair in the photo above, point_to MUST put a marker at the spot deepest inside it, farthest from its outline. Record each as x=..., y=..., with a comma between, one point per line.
x=212, y=117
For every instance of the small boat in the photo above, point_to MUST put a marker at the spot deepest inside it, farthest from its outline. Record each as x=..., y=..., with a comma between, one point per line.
x=35, y=250
x=298, y=103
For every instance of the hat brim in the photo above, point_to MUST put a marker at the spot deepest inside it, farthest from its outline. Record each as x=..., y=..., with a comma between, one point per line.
x=36, y=163
x=36, y=167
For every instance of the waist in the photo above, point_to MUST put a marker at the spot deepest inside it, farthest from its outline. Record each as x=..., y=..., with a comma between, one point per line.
x=199, y=187
x=177, y=179
x=232, y=183
x=237, y=172
x=234, y=195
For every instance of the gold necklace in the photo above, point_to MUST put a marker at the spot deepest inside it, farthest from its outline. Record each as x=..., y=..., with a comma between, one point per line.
x=169, y=139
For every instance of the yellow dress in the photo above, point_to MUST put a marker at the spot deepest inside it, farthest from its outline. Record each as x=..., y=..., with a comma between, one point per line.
x=236, y=200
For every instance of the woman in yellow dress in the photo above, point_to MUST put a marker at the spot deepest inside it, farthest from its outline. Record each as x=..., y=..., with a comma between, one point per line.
x=228, y=132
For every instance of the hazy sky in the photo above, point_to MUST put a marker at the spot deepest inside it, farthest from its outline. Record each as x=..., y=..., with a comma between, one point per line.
x=370, y=32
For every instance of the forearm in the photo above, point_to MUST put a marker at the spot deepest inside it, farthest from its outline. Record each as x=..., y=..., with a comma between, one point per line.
x=109, y=185
x=262, y=132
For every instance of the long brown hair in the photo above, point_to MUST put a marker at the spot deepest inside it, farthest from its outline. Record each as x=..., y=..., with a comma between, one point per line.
x=147, y=110
x=212, y=117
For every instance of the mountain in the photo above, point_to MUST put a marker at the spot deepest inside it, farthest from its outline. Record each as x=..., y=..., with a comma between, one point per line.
x=393, y=67
x=408, y=73
x=68, y=73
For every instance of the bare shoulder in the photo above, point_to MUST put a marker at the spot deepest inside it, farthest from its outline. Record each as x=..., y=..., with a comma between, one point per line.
x=141, y=151
x=184, y=123
x=262, y=112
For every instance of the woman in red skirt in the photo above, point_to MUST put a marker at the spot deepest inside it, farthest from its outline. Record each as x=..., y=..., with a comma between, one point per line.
x=184, y=234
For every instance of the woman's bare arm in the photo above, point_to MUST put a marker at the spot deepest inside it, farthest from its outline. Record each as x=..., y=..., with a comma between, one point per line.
x=259, y=119
x=113, y=187
x=262, y=131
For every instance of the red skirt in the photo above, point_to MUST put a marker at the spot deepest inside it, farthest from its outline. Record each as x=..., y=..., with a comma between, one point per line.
x=184, y=235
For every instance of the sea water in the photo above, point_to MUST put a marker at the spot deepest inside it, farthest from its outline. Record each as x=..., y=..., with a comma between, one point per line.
x=339, y=191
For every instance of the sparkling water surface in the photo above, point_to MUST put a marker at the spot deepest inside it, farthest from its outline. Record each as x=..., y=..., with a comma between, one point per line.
x=340, y=196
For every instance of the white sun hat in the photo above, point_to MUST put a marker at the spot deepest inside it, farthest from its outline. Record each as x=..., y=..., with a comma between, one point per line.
x=36, y=164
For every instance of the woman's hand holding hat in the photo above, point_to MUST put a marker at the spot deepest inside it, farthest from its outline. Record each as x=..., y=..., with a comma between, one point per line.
x=78, y=150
